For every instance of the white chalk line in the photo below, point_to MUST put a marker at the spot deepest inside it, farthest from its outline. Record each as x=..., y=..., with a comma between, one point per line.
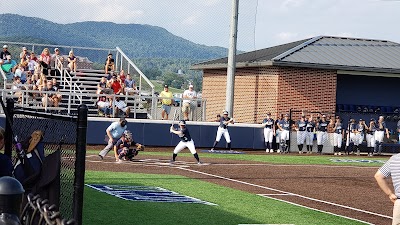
x=285, y=192
x=162, y=165
x=318, y=210
x=274, y=195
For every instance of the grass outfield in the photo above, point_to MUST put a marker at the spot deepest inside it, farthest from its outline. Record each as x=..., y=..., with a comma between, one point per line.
x=292, y=159
x=234, y=206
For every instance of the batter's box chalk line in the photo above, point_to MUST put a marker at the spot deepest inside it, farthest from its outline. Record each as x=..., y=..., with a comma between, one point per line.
x=222, y=151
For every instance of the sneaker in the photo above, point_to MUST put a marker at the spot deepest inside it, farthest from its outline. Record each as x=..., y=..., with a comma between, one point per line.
x=271, y=151
x=335, y=153
x=300, y=152
x=267, y=150
x=339, y=153
x=358, y=152
x=199, y=163
x=278, y=151
x=212, y=150
x=101, y=157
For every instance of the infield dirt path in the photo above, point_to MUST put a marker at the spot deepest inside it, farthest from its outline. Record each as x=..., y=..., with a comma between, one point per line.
x=346, y=191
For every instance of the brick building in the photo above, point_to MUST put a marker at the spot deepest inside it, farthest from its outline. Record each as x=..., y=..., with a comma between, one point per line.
x=323, y=74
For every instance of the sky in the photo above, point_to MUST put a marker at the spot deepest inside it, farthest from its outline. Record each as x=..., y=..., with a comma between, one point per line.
x=262, y=23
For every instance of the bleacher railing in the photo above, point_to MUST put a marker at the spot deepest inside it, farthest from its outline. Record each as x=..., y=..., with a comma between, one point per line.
x=138, y=104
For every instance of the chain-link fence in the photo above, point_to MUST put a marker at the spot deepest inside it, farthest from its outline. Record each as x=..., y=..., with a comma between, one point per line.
x=61, y=153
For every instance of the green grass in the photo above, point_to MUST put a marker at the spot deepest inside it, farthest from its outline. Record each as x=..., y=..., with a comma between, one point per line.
x=234, y=206
x=276, y=159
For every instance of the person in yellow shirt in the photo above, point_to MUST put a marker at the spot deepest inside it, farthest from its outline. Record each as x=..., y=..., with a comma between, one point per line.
x=166, y=102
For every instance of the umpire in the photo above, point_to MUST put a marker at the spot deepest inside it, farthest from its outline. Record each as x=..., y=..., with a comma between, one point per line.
x=114, y=133
x=391, y=168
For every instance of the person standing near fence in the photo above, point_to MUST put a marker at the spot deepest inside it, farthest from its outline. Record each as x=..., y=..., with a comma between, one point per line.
x=114, y=133
x=269, y=132
x=278, y=132
x=337, y=136
x=284, y=127
x=223, y=130
x=310, y=131
x=166, y=102
x=370, y=137
x=381, y=130
x=322, y=135
x=361, y=128
x=391, y=169
x=301, y=126
x=188, y=103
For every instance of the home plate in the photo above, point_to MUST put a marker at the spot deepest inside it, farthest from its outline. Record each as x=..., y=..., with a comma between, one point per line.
x=222, y=151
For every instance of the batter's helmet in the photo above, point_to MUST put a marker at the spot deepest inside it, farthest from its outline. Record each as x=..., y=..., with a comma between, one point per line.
x=182, y=122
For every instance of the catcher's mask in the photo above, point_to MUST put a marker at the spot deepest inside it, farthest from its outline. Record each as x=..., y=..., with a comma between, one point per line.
x=128, y=135
x=182, y=123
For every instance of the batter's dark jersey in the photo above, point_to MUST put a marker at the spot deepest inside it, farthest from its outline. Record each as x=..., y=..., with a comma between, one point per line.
x=185, y=135
x=222, y=120
x=269, y=123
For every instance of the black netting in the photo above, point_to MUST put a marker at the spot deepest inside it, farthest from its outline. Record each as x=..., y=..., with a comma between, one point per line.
x=59, y=134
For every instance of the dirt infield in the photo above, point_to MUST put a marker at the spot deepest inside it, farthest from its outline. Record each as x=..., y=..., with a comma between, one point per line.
x=347, y=191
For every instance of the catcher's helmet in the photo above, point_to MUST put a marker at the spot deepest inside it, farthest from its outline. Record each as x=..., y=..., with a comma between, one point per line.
x=128, y=135
x=224, y=112
x=182, y=122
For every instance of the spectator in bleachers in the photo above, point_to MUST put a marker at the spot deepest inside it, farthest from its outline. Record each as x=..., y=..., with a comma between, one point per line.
x=45, y=60
x=56, y=59
x=56, y=86
x=4, y=54
x=122, y=76
x=72, y=61
x=16, y=88
x=104, y=107
x=122, y=84
x=53, y=98
x=130, y=86
x=101, y=85
x=116, y=85
x=20, y=72
x=41, y=82
x=32, y=63
x=9, y=66
x=121, y=107
x=109, y=65
x=24, y=55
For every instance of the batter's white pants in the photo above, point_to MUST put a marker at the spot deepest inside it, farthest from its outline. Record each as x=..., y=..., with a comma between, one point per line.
x=337, y=140
x=359, y=139
x=221, y=131
x=284, y=135
x=379, y=136
x=309, y=138
x=301, y=137
x=370, y=140
x=182, y=145
x=268, y=135
x=321, y=137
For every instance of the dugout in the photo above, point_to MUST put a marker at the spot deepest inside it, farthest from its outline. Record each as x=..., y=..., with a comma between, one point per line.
x=323, y=73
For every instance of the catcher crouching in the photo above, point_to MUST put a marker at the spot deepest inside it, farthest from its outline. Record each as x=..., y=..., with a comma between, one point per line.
x=126, y=148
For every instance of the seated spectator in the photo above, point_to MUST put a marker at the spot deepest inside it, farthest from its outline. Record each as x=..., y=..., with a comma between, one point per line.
x=122, y=76
x=45, y=60
x=101, y=85
x=16, y=88
x=116, y=85
x=4, y=54
x=50, y=99
x=104, y=107
x=32, y=63
x=130, y=86
x=24, y=55
x=121, y=107
x=56, y=86
x=72, y=61
x=20, y=72
x=41, y=82
x=56, y=58
x=9, y=66
x=109, y=65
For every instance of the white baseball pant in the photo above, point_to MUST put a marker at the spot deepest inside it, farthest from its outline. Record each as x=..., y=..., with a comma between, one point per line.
x=354, y=138
x=337, y=140
x=278, y=136
x=284, y=135
x=221, y=131
x=182, y=145
x=321, y=137
x=301, y=137
x=359, y=139
x=309, y=138
x=268, y=135
x=370, y=140
x=379, y=136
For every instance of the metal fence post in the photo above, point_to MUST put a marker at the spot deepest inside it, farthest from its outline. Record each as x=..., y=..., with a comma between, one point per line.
x=79, y=181
x=8, y=139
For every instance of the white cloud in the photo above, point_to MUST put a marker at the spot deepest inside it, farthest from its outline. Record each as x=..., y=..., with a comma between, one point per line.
x=191, y=20
x=287, y=36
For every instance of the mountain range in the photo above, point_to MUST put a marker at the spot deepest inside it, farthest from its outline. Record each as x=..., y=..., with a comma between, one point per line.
x=136, y=40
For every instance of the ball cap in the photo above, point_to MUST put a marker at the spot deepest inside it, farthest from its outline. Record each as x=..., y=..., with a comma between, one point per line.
x=166, y=86
x=24, y=48
x=361, y=120
x=182, y=123
x=191, y=85
x=324, y=115
x=286, y=115
x=56, y=49
x=225, y=112
x=5, y=46
x=372, y=119
x=268, y=114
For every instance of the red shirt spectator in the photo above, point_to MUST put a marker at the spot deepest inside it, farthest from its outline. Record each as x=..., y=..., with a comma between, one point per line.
x=116, y=86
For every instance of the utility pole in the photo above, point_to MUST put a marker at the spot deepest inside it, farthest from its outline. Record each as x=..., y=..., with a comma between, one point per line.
x=230, y=79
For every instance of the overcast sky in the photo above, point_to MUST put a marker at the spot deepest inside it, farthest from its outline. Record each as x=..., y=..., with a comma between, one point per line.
x=262, y=23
